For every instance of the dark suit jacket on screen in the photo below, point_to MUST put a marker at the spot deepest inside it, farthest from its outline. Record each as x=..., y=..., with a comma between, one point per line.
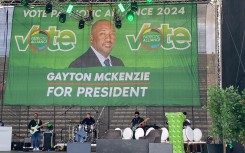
x=89, y=59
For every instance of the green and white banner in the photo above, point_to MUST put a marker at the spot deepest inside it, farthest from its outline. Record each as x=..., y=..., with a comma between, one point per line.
x=157, y=58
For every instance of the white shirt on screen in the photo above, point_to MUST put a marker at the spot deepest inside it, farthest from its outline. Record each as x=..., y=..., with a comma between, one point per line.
x=101, y=57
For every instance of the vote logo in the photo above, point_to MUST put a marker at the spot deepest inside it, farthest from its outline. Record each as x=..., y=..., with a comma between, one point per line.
x=39, y=40
x=151, y=38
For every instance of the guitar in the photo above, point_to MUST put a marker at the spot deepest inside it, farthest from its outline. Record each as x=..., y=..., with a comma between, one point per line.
x=137, y=125
x=35, y=128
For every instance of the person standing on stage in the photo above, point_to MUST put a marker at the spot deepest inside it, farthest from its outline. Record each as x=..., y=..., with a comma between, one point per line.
x=37, y=135
x=88, y=120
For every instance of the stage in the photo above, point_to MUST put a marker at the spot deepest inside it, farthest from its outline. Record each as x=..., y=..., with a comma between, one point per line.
x=125, y=146
x=30, y=151
x=41, y=151
x=34, y=151
x=110, y=146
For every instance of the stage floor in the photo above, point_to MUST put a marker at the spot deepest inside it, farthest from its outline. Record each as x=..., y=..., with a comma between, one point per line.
x=36, y=151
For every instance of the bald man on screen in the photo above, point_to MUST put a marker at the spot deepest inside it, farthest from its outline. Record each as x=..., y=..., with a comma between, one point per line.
x=102, y=40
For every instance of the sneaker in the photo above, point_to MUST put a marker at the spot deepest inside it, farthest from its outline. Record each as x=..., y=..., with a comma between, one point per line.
x=34, y=149
x=37, y=149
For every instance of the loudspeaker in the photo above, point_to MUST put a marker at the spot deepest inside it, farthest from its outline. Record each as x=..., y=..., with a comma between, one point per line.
x=27, y=142
x=17, y=146
x=122, y=146
x=237, y=148
x=78, y=147
x=160, y=148
x=47, y=140
x=218, y=148
x=213, y=148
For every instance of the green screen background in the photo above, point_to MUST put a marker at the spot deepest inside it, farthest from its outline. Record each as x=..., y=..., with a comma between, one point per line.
x=173, y=67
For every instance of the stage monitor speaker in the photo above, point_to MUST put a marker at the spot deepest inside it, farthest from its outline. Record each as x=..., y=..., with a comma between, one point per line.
x=213, y=148
x=122, y=146
x=154, y=136
x=160, y=148
x=113, y=134
x=78, y=147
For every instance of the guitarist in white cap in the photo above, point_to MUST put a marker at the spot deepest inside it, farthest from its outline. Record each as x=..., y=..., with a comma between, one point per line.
x=36, y=134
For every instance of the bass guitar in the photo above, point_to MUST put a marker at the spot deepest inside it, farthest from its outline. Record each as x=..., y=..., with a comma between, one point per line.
x=35, y=128
x=137, y=125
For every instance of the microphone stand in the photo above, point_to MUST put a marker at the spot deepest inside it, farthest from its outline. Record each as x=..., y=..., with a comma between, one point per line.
x=96, y=111
x=97, y=123
x=61, y=136
x=65, y=120
x=92, y=133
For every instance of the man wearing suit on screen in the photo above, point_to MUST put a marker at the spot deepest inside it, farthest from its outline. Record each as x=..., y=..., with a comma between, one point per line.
x=102, y=40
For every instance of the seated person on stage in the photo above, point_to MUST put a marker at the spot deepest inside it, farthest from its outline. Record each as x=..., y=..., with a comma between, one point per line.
x=186, y=122
x=92, y=133
x=137, y=121
x=88, y=120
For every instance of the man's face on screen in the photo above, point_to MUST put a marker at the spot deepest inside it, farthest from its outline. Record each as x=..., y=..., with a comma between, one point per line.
x=103, y=37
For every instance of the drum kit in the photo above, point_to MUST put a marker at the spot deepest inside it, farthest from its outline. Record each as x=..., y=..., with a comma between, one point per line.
x=82, y=133
x=88, y=133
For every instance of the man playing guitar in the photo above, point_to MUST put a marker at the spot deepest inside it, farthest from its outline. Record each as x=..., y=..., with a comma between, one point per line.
x=37, y=135
x=136, y=122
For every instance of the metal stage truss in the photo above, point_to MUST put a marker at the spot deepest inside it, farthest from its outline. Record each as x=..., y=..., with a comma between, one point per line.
x=94, y=2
